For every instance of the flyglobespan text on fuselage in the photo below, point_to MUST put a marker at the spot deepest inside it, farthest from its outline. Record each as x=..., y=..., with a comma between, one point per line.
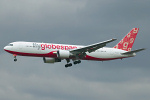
x=45, y=46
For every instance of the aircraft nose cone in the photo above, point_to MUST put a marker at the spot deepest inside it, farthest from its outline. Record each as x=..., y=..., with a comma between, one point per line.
x=5, y=48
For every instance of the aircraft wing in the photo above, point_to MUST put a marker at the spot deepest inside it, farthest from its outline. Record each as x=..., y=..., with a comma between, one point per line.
x=92, y=47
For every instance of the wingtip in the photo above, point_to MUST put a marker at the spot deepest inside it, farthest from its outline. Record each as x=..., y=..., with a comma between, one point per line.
x=114, y=39
x=144, y=48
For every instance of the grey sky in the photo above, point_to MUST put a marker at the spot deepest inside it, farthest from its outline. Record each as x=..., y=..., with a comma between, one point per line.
x=74, y=22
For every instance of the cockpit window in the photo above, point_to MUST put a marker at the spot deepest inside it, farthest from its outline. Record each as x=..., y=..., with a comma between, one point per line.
x=10, y=44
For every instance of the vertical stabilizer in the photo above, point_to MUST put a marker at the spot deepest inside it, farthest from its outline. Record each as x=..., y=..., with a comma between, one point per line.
x=127, y=42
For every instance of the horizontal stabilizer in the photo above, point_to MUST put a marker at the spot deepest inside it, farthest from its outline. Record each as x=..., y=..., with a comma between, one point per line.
x=134, y=51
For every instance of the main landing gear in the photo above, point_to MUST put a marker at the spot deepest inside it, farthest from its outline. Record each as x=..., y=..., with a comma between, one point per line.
x=77, y=62
x=15, y=59
x=70, y=64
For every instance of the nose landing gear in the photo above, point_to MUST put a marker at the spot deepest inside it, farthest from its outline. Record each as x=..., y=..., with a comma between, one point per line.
x=15, y=59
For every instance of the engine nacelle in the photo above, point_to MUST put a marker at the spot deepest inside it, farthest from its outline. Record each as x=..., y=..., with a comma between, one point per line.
x=63, y=54
x=51, y=60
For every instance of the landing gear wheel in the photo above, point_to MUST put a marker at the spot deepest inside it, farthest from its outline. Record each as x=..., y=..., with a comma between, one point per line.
x=68, y=65
x=15, y=60
x=77, y=62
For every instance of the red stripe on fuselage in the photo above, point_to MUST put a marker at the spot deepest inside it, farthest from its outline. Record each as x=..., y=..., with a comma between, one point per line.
x=50, y=54
x=100, y=59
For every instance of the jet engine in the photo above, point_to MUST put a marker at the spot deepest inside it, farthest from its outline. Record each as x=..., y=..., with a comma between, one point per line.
x=63, y=54
x=51, y=60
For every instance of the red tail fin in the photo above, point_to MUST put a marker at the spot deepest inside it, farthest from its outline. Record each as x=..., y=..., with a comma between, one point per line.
x=127, y=42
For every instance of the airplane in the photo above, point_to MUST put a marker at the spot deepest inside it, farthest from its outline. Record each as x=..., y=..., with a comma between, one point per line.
x=52, y=53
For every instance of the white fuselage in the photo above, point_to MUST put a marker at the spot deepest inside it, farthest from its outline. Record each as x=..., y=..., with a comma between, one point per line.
x=47, y=50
